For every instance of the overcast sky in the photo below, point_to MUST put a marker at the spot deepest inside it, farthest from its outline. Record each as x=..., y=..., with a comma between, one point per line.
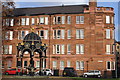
x=40, y=3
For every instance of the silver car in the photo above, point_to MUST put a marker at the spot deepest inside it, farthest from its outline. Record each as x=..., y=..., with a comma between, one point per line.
x=92, y=73
x=47, y=72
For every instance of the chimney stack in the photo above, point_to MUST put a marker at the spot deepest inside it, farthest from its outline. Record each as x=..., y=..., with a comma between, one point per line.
x=93, y=3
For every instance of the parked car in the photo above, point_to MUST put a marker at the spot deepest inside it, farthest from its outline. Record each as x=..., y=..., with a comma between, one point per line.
x=92, y=73
x=47, y=72
x=11, y=71
x=69, y=71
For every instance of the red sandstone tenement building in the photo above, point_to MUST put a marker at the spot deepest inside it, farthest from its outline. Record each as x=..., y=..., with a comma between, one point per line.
x=79, y=36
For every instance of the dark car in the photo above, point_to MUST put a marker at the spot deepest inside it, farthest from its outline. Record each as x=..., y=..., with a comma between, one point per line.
x=69, y=71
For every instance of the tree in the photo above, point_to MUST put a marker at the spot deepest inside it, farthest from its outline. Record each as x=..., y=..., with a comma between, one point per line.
x=7, y=8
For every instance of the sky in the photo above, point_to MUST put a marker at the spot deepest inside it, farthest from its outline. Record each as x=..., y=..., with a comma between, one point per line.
x=114, y=3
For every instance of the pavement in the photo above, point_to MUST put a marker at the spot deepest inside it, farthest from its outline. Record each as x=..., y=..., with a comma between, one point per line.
x=13, y=77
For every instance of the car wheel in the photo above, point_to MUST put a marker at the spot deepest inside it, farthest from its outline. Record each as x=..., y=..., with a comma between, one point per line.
x=49, y=74
x=6, y=73
x=99, y=76
x=85, y=75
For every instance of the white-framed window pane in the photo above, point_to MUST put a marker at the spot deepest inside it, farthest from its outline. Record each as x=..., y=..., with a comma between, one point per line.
x=77, y=34
x=62, y=49
x=33, y=21
x=107, y=19
x=63, y=19
x=7, y=22
x=37, y=64
x=42, y=34
x=81, y=34
x=69, y=19
x=58, y=34
x=58, y=19
x=41, y=20
x=81, y=65
x=54, y=20
x=69, y=34
x=11, y=35
x=82, y=49
x=46, y=34
x=81, y=19
x=107, y=33
x=10, y=49
x=57, y=49
x=6, y=35
x=23, y=21
x=54, y=49
x=22, y=34
x=77, y=65
x=68, y=63
x=77, y=19
x=12, y=22
x=43, y=65
x=54, y=64
x=108, y=65
x=6, y=49
x=68, y=49
x=107, y=49
x=27, y=21
x=9, y=64
x=113, y=65
x=61, y=65
x=62, y=34
x=77, y=49
x=54, y=34
x=46, y=20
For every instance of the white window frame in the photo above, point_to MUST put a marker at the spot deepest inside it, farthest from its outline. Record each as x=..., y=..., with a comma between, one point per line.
x=22, y=21
x=79, y=48
x=27, y=21
x=108, y=19
x=107, y=65
x=33, y=21
x=10, y=49
x=79, y=33
x=58, y=47
x=62, y=65
x=108, y=49
x=11, y=35
x=54, y=64
x=41, y=20
x=37, y=64
x=68, y=63
x=108, y=33
x=62, y=49
x=68, y=50
x=77, y=65
x=81, y=65
x=63, y=19
x=12, y=22
x=45, y=34
x=68, y=34
x=68, y=19
x=46, y=20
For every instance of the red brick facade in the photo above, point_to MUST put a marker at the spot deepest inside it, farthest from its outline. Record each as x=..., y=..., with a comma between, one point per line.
x=94, y=41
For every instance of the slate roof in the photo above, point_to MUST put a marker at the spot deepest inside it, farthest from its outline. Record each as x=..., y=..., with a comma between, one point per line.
x=32, y=37
x=69, y=9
